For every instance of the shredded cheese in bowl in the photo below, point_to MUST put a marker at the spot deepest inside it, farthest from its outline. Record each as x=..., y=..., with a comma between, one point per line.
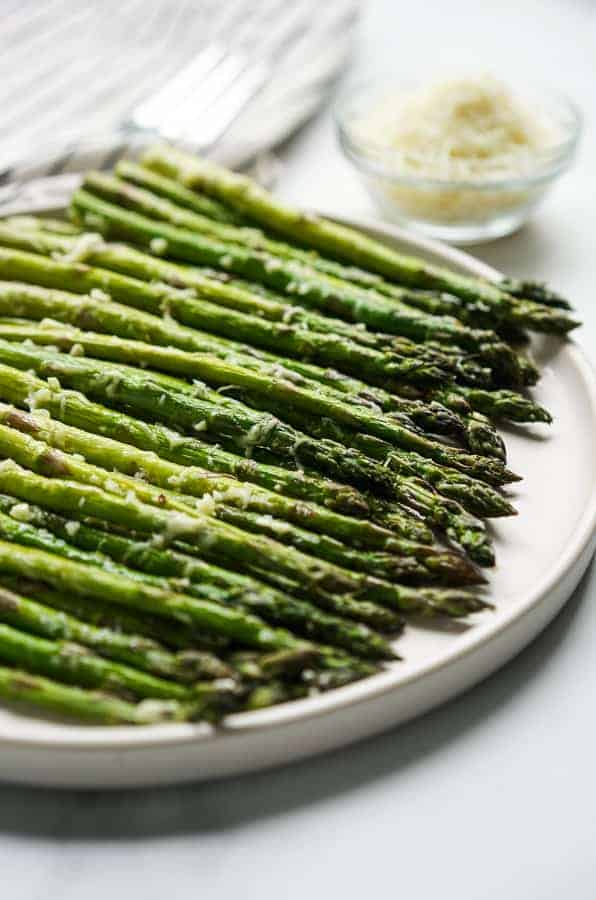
x=464, y=151
x=460, y=130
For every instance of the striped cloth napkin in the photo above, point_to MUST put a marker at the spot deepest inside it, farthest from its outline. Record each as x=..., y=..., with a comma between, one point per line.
x=71, y=73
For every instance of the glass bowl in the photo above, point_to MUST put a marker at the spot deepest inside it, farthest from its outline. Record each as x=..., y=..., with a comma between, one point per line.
x=456, y=211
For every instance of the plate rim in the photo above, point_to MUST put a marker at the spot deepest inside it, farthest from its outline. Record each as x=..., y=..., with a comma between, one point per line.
x=81, y=738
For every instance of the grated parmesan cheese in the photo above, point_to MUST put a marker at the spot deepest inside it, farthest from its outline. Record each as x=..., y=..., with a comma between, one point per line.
x=205, y=505
x=97, y=294
x=38, y=398
x=466, y=129
x=22, y=512
x=471, y=130
x=81, y=248
x=158, y=246
x=258, y=434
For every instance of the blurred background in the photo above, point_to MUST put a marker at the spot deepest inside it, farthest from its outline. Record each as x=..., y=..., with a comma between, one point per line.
x=234, y=77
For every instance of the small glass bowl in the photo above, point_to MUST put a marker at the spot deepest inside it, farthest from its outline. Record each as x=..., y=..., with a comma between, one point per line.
x=459, y=212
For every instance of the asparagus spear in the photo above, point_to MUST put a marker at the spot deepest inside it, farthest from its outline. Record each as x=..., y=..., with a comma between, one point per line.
x=24, y=389
x=211, y=535
x=73, y=663
x=532, y=290
x=505, y=405
x=466, y=531
x=154, y=297
x=43, y=617
x=238, y=547
x=287, y=276
x=240, y=426
x=147, y=282
x=137, y=651
x=429, y=416
x=38, y=303
x=405, y=566
x=21, y=687
x=168, y=563
x=249, y=199
x=139, y=197
x=225, y=491
x=416, y=363
x=44, y=223
x=460, y=527
x=273, y=393
x=520, y=313
x=181, y=196
x=480, y=498
x=176, y=192
x=108, y=550
x=83, y=580
x=151, y=297
x=245, y=593
x=37, y=456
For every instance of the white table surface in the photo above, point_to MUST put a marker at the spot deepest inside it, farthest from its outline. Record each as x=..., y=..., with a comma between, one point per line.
x=491, y=796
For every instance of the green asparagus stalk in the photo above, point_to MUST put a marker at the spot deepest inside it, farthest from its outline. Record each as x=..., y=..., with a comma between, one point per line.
x=103, y=548
x=44, y=617
x=83, y=580
x=522, y=312
x=150, y=297
x=287, y=276
x=154, y=297
x=224, y=491
x=240, y=426
x=24, y=389
x=75, y=664
x=480, y=498
x=506, y=405
x=460, y=527
x=250, y=200
x=483, y=438
x=272, y=393
x=530, y=290
x=23, y=688
x=31, y=454
x=382, y=565
x=174, y=635
x=429, y=416
x=213, y=536
x=240, y=589
x=38, y=303
x=44, y=223
x=178, y=194
x=147, y=282
x=134, y=650
x=417, y=364
x=354, y=304
x=80, y=500
x=138, y=196
x=107, y=550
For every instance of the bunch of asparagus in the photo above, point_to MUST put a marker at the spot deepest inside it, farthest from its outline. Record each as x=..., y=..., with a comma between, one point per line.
x=239, y=445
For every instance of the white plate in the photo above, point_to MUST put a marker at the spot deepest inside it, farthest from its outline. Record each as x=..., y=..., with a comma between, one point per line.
x=542, y=555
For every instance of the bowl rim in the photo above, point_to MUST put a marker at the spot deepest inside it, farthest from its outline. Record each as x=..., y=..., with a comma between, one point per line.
x=549, y=164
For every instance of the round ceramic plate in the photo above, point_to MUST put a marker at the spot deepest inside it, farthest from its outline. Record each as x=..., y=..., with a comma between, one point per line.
x=542, y=554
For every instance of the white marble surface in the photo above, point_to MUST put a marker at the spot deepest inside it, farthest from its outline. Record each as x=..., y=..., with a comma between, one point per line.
x=490, y=797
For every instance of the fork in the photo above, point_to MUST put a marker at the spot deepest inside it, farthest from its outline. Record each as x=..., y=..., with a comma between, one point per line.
x=259, y=71
x=200, y=103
